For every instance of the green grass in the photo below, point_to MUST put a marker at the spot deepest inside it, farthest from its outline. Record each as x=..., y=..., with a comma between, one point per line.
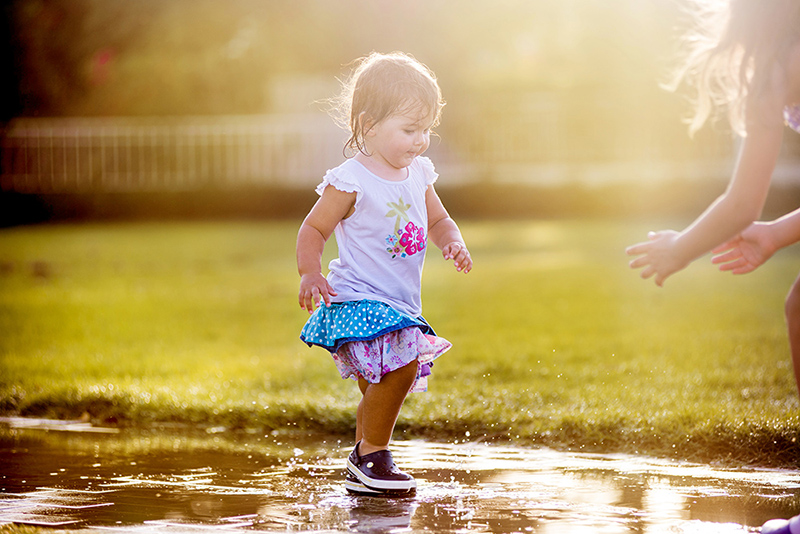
x=556, y=341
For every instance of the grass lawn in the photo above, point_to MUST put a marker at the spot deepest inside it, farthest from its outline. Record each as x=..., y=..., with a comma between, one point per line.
x=556, y=341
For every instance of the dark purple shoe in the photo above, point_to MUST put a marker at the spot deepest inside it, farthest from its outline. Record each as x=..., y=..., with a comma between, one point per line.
x=378, y=472
x=782, y=526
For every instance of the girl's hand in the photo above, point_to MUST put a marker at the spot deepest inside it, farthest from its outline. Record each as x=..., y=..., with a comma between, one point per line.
x=457, y=251
x=657, y=256
x=313, y=287
x=747, y=251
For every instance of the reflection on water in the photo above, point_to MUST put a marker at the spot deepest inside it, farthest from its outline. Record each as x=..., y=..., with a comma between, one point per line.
x=171, y=482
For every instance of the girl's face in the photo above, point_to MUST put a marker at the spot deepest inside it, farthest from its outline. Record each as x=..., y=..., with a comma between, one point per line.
x=399, y=138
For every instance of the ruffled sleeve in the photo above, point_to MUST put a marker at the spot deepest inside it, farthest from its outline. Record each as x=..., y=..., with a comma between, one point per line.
x=429, y=174
x=343, y=179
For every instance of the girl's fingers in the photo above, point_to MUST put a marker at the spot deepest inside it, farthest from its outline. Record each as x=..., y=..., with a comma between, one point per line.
x=460, y=256
x=728, y=245
x=464, y=264
x=645, y=246
x=637, y=249
x=639, y=262
x=731, y=265
x=744, y=269
x=647, y=272
x=451, y=251
x=731, y=255
x=308, y=300
x=740, y=266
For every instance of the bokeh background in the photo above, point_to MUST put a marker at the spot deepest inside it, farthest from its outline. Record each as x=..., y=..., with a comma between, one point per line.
x=203, y=108
x=557, y=149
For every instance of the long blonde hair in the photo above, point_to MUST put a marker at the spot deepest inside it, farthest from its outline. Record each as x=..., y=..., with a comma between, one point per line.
x=729, y=53
x=382, y=85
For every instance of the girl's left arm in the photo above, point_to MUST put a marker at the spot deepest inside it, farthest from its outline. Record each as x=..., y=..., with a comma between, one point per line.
x=757, y=243
x=444, y=233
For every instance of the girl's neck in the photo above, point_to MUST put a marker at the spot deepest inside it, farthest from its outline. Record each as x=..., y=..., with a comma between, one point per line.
x=381, y=169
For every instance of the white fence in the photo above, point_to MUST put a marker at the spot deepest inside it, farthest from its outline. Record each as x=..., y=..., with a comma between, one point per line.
x=144, y=154
x=124, y=154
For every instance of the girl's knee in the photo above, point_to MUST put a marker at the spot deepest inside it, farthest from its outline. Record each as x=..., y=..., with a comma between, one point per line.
x=404, y=375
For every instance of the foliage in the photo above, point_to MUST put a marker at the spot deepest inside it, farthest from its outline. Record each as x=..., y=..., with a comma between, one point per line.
x=187, y=56
x=556, y=341
x=540, y=80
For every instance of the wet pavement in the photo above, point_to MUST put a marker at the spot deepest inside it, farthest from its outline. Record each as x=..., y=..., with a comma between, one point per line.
x=81, y=477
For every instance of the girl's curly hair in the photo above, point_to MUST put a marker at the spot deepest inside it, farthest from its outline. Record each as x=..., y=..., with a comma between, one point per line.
x=382, y=85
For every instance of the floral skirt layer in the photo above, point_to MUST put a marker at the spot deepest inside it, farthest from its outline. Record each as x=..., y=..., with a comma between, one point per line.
x=369, y=339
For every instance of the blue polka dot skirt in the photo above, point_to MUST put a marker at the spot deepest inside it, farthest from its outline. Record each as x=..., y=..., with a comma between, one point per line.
x=369, y=339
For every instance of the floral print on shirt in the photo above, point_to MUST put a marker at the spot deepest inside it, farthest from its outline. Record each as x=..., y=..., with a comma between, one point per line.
x=406, y=240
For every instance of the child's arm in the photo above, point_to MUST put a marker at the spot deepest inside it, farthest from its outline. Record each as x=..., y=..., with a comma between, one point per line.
x=444, y=233
x=668, y=251
x=332, y=207
x=757, y=243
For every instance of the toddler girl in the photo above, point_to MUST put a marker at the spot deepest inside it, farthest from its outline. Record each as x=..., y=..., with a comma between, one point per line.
x=383, y=209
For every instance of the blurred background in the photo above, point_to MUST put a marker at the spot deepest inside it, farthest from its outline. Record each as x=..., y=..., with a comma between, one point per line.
x=210, y=108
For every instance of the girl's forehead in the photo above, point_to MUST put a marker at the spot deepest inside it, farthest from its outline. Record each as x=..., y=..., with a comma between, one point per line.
x=415, y=114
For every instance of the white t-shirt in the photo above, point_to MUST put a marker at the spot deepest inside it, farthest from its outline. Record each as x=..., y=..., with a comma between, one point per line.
x=382, y=244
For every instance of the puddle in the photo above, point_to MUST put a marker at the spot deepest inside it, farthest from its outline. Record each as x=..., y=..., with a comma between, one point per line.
x=172, y=482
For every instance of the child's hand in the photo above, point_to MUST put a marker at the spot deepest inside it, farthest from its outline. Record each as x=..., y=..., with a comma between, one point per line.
x=313, y=287
x=657, y=256
x=457, y=251
x=747, y=251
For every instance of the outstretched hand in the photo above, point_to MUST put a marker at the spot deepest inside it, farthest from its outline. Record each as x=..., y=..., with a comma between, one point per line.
x=458, y=252
x=745, y=252
x=314, y=288
x=657, y=256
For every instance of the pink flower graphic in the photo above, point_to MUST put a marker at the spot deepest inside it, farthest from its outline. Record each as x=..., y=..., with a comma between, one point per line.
x=412, y=239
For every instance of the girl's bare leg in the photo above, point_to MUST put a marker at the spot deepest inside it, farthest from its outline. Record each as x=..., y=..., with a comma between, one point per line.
x=379, y=407
x=792, y=310
x=362, y=385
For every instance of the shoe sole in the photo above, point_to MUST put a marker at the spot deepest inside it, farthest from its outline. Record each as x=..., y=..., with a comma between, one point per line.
x=355, y=487
x=379, y=485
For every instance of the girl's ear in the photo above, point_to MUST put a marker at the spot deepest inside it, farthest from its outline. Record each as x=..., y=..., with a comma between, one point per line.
x=366, y=123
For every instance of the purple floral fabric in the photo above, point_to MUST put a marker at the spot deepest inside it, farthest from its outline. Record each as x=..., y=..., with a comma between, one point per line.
x=791, y=116
x=374, y=358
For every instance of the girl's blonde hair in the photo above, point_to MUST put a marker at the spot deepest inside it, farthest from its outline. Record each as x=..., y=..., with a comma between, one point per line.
x=382, y=85
x=730, y=52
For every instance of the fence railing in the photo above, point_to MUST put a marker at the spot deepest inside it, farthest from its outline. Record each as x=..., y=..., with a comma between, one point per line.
x=125, y=154
x=141, y=154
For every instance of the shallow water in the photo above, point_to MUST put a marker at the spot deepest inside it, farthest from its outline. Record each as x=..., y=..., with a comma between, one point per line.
x=174, y=482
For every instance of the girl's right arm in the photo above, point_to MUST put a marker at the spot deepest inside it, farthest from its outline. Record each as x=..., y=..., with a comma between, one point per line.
x=668, y=251
x=332, y=207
